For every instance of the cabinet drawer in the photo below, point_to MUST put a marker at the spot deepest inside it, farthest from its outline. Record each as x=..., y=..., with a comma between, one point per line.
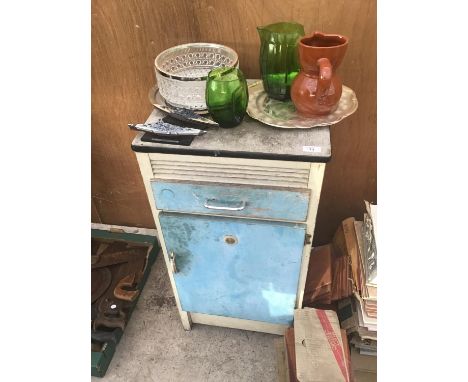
x=231, y=199
x=241, y=268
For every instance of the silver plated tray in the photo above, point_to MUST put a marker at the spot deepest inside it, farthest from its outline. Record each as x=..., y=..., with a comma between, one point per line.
x=155, y=97
x=283, y=113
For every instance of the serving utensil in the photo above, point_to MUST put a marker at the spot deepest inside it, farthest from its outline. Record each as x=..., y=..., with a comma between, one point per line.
x=167, y=129
x=185, y=115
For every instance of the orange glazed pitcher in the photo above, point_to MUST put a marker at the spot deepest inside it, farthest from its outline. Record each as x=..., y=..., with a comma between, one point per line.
x=317, y=89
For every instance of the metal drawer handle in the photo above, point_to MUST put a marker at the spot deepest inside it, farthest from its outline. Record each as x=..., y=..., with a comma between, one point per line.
x=209, y=204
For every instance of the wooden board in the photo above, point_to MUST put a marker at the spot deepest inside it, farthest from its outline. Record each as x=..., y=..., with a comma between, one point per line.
x=344, y=339
x=319, y=277
x=127, y=36
x=351, y=175
x=94, y=213
x=290, y=354
x=281, y=361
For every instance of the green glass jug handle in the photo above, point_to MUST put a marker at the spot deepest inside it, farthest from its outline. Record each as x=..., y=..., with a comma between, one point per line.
x=325, y=77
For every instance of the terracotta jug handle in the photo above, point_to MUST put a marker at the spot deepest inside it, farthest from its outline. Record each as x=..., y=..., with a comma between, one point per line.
x=325, y=77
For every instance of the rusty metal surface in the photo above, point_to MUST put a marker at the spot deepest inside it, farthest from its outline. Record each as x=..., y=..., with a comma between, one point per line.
x=106, y=335
x=110, y=314
x=117, y=267
x=96, y=346
x=100, y=280
x=125, y=289
x=116, y=253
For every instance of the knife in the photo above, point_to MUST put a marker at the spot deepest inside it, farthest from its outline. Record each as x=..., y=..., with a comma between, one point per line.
x=185, y=115
x=164, y=128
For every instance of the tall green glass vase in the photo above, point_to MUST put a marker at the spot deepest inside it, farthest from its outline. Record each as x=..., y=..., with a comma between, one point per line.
x=227, y=96
x=279, y=61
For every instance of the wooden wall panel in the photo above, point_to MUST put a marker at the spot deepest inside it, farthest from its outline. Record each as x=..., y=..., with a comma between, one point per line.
x=95, y=218
x=127, y=36
x=351, y=175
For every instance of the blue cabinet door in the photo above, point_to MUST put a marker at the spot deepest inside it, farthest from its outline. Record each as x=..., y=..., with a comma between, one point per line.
x=233, y=267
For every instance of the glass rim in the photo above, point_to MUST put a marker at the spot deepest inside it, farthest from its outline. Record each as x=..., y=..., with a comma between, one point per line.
x=222, y=71
x=283, y=27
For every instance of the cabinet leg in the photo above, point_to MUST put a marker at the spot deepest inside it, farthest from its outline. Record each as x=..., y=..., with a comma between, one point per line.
x=186, y=320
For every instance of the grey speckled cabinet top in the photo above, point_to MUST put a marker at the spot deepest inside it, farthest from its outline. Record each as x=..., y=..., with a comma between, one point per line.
x=251, y=139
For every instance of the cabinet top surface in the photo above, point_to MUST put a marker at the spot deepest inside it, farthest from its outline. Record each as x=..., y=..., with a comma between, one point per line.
x=251, y=139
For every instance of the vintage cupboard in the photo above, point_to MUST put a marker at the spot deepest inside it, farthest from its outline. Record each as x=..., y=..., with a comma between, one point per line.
x=235, y=214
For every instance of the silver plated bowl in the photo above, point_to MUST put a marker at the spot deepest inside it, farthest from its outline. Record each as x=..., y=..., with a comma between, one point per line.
x=182, y=70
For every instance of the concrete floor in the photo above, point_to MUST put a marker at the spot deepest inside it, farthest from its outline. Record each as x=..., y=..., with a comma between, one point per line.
x=156, y=348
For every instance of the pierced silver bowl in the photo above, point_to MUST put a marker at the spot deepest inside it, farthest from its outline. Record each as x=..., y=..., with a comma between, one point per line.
x=181, y=72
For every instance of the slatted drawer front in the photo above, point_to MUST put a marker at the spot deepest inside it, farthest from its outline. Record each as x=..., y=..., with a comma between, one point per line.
x=231, y=200
x=236, y=173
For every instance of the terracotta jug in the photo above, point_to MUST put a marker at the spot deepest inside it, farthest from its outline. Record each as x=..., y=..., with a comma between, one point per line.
x=317, y=89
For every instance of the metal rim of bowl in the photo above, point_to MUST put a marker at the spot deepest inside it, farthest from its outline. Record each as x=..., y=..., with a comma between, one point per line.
x=154, y=91
x=198, y=44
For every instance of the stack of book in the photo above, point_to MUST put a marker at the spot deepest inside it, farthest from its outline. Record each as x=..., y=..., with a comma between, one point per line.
x=366, y=238
x=360, y=328
x=343, y=276
x=332, y=268
x=361, y=331
x=358, y=313
x=319, y=282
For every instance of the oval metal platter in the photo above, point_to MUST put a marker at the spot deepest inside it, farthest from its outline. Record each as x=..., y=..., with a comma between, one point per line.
x=283, y=113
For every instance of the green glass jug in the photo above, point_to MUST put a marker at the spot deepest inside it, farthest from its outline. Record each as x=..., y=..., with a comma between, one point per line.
x=279, y=61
